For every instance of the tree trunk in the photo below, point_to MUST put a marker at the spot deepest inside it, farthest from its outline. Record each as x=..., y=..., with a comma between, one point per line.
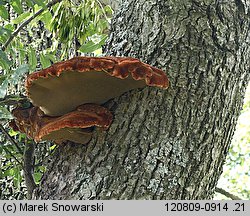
x=164, y=144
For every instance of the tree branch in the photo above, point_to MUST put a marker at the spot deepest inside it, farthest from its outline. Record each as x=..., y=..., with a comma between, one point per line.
x=227, y=194
x=28, y=167
x=11, y=100
x=26, y=22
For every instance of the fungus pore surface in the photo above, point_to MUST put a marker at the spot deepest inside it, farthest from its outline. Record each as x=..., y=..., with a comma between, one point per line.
x=64, y=86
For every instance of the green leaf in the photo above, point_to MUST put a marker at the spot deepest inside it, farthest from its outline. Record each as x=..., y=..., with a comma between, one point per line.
x=88, y=47
x=3, y=12
x=46, y=18
x=22, y=56
x=3, y=88
x=13, y=172
x=17, y=6
x=22, y=69
x=44, y=61
x=91, y=46
x=37, y=177
x=51, y=57
x=12, y=132
x=30, y=3
x=21, y=18
x=18, y=73
x=40, y=3
x=12, y=78
x=52, y=147
x=108, y=10
x=32, y=59
x=17, y=178
x=4, y=31
x=5, y=113
x=3, y=37
x=9, y=27
x=2, y=78
x=4, y=61
x=7, y=173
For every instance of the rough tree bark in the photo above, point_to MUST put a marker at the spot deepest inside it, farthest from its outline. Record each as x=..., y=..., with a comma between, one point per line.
x=164, y=144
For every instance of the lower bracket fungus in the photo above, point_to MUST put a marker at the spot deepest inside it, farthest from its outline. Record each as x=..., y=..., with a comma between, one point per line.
x=76, y=126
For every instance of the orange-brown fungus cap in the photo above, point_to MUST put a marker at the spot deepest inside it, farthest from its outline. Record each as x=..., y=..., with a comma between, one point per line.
x=75, y=126
x=63, y=86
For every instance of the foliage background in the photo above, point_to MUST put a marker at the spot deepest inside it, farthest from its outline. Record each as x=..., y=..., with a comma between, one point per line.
x=41, y=33
x=236, y=172
x=67, y=29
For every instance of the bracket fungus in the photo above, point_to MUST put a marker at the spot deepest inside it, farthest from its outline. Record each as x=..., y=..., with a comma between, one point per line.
x=67, y=96
x=75, y=126
x=63, y=86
